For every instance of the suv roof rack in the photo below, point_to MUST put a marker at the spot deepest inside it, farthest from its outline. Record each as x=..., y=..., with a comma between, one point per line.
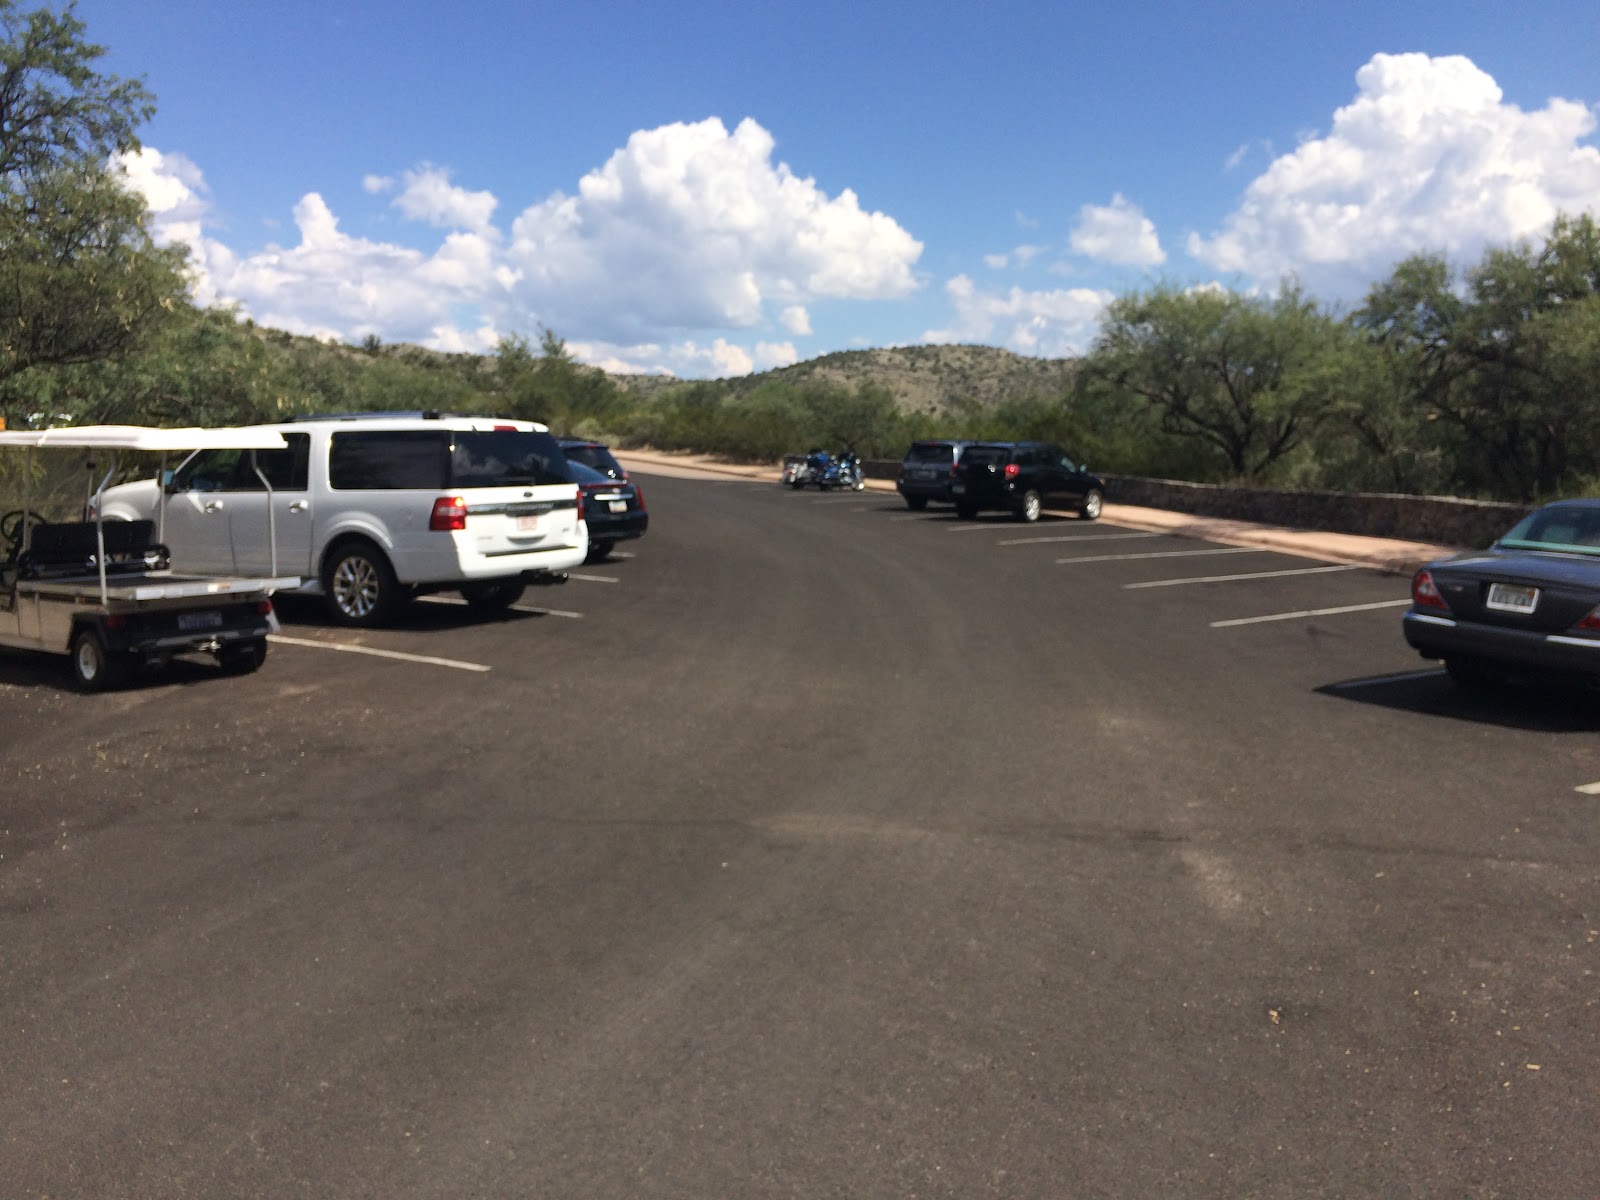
x=415, y=414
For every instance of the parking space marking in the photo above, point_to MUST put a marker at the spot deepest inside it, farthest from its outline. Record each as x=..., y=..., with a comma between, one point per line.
x=1310, y=612
x=1380, y=680
x=1165, y=554
x=521, y=608
x=1155, y=583
x=347, y=648
x=594, y=578
x=979, y=527
x=1077, y=537
x=1588, y=789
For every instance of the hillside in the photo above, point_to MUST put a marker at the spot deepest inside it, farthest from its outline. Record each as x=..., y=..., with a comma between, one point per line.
x=929, y=379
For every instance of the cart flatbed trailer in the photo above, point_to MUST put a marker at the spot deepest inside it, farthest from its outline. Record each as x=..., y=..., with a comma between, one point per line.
x=104, y=592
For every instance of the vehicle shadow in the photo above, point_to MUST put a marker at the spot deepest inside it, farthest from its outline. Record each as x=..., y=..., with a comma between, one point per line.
x=36, y=669
x=422, y=614
x=1535, y=706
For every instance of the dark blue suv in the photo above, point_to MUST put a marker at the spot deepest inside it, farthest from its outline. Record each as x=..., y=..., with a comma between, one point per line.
x=928, y=470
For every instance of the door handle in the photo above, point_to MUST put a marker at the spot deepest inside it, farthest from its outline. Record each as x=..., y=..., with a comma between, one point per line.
x=299, y=506
x=215, y=506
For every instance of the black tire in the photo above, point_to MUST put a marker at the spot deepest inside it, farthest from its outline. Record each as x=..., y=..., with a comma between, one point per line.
x=798, y=484
x=94, y=668
x=1089, y=510
x=916, y=503
x=1029, y=507
x=1473, y=675
x=359, y=584
x=243, y=658
x=966, y=512
x=600, y=549
x=496, y=595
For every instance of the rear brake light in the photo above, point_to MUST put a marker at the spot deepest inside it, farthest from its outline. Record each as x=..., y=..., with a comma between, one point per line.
x=264, y=607
x=116, y=620
x=1591, y=623
x=580, y=504
x=638, y=494
x=505, y=428
x=955, y=469
x=449, y=513
x=1012, y=470
x=1425, y=593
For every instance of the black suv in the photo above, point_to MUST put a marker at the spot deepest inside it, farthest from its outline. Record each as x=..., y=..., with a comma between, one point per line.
x=927, y=472
x=1024, y=478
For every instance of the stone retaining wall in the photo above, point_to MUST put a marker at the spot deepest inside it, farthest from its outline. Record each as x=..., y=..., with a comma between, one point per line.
x=1436, y=519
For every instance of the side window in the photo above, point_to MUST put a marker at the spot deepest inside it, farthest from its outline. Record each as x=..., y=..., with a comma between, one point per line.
x=389, y=460
x=208, y=471
x=286, y=470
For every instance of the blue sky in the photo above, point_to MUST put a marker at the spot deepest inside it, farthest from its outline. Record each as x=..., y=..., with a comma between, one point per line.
x=707, y=189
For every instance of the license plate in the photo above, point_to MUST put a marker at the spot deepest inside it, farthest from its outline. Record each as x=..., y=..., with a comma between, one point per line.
x=619, y=506
x=200, y=620
x=958, y=489
x=1504, y=597
x=525, y=524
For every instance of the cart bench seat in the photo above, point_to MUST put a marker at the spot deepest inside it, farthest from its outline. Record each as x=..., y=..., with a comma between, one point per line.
x=61, y=548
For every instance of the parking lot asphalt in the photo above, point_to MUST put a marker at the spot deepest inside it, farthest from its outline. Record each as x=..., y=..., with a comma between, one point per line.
x=1389, y=554
x=813, y=847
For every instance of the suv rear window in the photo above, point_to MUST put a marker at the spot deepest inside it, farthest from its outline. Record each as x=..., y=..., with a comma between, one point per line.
x=930, y=452
x=426, y=460
x=986, y=456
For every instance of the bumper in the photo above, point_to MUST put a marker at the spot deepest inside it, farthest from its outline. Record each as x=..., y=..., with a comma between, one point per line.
x=619, y=528
x=1516, y=649
x=925, y=489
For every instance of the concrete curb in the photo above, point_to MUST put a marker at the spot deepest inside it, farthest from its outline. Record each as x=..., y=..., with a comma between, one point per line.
x=1381, y=554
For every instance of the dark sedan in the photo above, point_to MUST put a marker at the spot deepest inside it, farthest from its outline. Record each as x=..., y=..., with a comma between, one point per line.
x=612, y=508
x=1528, y=605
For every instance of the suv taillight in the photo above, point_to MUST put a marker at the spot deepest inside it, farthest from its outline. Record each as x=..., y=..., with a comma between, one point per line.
x=1012, y=470
x=449, y=513
x=1425, y=593
x=580, y=504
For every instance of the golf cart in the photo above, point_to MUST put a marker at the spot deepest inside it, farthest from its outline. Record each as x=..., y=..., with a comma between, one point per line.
x=104, y=592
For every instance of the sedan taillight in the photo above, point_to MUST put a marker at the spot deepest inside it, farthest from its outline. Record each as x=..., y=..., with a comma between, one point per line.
x=1425, y=593
x=449, y=513
x=638, y=495
x=1590, y=623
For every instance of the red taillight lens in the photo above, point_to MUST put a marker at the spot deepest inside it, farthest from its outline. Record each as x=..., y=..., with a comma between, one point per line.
x=449, y=513
x=638, y=494
x=580, y=504
x=264, y=607
x=955, y=469
x=1591, y=623
x=116, y=620
x=1012, y=470
x=1425, y=593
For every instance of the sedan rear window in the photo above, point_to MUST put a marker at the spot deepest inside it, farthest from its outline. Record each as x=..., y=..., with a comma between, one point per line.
x=1573, y=529
x=596, y=457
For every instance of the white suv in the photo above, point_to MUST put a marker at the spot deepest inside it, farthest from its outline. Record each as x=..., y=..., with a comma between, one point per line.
x=372, y=510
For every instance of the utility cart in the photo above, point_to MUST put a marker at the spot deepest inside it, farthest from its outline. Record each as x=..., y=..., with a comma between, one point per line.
x=105, y=592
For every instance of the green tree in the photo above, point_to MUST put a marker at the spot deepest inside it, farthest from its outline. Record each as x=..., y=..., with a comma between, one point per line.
x=1243, y=375
x=80, y=278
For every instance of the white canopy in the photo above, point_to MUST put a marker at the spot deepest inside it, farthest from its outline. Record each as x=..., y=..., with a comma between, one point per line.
x=140, y=437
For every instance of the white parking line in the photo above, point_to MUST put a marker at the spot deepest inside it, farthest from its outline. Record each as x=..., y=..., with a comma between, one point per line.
x=979, y=527
x=1311, y=612
x=347, y=648
x=1165, y=554
x=1077, y=537
x=1380, y=680
x=594, y=578
x=1588, y=789
x=1154, y=583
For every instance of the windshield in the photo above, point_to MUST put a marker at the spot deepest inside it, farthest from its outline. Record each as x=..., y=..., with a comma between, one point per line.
x=503, y=458
x=1567, y=528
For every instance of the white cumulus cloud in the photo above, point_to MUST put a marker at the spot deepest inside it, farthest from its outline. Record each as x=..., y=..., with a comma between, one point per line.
x=1118, y=233
x=1427, y=157
x=685, y=235
x=1053, y=324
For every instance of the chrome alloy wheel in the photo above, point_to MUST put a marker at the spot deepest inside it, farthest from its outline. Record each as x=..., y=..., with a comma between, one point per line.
x=356, y=587
x=1032, y=506
x=1091, y=506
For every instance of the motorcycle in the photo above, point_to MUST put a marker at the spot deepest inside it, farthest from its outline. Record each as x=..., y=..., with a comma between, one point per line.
x=843, y=470
x=810, y=469
x=793, y=465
